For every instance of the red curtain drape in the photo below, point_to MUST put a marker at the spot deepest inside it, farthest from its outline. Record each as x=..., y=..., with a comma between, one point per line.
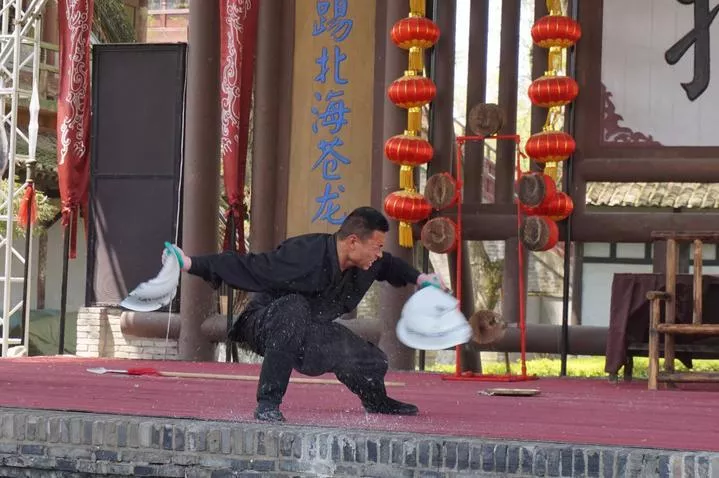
x=73, y=112
x=238, y=37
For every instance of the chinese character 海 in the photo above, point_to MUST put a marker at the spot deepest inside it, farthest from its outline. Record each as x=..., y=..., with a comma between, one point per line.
x=334, y=113
x=699, y=37
x=328, y=207
x=323, y=62
x=330, y=159
x=339, y=25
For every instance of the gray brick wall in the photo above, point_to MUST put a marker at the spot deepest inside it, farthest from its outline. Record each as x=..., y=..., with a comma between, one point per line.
x=41, y=443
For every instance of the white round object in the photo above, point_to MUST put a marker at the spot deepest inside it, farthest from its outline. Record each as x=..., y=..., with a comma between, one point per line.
x=158, y=291
x=431, y=320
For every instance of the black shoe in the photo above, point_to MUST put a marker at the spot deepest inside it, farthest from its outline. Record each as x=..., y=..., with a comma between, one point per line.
x=390, y=406
x=268, y=413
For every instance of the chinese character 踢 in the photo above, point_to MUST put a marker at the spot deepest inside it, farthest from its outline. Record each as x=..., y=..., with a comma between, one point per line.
x=339, y=25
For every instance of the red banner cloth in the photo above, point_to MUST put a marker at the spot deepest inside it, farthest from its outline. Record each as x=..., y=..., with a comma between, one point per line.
x=238, y=34
x=73, y=112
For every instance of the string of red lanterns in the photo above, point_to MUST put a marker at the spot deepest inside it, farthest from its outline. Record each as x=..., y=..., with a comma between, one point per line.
x=412, y=91
x=540, y=199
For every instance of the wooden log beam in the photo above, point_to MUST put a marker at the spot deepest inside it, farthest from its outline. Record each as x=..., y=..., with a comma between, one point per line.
x=704, y=236
x=657, y=169
x=633, y=227
x=493, y=222
x=688, y=329
x=658, y=295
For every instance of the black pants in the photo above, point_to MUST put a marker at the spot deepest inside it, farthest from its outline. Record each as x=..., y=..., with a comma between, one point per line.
x=287, y=337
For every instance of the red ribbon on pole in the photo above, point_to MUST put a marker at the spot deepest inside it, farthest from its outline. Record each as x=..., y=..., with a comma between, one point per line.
x=73, y=111
x=238, y=37
x=27, y=212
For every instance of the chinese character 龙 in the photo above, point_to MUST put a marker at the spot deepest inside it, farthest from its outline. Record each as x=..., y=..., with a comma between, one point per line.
x=328, y=207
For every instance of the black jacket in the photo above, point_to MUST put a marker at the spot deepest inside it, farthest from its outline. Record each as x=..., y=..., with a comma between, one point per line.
x=306, y=265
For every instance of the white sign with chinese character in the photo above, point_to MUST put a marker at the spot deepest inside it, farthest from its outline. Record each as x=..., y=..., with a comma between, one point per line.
x=658, y=84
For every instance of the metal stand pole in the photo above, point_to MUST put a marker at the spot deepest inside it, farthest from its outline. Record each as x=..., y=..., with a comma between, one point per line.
x=63, y=297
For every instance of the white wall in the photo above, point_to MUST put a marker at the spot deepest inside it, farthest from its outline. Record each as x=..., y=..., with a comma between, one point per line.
x=545, y=309
x=53, y=280
x=597, y=289
x=77, y=269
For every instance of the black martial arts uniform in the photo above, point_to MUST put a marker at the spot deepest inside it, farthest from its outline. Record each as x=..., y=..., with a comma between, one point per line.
x=300, y=291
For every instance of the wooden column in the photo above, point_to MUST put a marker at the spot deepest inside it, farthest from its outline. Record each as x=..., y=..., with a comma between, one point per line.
x=506, y=151
x=201, y=174
x=476, y=93
x=264, y=227
x=395, y=121
x=508, y=84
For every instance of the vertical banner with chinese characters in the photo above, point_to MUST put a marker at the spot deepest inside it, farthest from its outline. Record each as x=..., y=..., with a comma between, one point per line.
x=332, y=98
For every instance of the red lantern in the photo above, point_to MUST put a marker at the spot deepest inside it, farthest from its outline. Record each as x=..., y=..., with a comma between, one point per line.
x=538, y=233
x=415, y=32
x=550, y=146
x=557, y=208
x=406, y=207
x=534, y=189
x=556, y=31
x=411, y=91
x=549, y=91
x=408, y=151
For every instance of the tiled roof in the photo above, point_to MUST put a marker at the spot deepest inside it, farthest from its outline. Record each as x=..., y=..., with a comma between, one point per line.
x=662, y=195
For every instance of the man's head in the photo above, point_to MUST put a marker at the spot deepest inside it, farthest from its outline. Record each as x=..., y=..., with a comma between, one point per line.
x=361, y=237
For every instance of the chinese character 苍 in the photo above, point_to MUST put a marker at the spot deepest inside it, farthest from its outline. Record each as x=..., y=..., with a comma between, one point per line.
x=330, y=159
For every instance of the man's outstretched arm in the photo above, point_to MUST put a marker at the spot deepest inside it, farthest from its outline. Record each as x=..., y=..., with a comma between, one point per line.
x=286, y=268
x=399, y=273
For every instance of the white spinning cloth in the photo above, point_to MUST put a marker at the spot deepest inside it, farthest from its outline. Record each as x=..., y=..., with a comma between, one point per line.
x=431, y=320
x=159, y=291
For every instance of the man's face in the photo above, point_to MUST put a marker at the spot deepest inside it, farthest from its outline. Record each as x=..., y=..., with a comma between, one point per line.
x=364, y=253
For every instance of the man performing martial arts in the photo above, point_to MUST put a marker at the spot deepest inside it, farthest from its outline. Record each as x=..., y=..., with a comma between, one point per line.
x=300, y=289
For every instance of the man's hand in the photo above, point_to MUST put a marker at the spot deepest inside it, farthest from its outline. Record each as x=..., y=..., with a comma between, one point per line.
x=434, y=279
x=186, y=261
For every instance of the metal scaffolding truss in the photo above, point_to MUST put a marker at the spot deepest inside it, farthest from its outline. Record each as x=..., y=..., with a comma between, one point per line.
x=19, y=66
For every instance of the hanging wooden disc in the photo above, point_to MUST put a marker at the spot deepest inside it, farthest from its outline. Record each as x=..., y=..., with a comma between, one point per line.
x=535, y=189
x=485, y=119
x=538, y=233
x=487, y=326
x=441, y=190
x=439, y=235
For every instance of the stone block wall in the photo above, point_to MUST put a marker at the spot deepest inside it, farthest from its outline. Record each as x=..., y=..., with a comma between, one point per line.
x=53, y=444
x=99, y=335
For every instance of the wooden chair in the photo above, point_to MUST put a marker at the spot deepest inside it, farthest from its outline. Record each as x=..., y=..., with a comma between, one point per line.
x=669, y=328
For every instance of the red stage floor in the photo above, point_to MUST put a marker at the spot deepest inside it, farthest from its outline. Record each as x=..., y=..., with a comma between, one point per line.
x=567, y=410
